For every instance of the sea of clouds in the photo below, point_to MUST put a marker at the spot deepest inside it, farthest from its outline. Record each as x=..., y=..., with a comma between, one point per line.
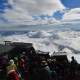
x=48, y=41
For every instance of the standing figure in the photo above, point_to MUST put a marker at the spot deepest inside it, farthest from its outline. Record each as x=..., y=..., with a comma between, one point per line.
x=12, y=71
x=73, y=68
x=22, y=67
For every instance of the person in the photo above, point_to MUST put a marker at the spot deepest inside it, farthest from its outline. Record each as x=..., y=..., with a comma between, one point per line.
x=16, y=61
x=22, y=67
x=73, y=63
x=73, y=67
x=45, y=71
x=12, y=71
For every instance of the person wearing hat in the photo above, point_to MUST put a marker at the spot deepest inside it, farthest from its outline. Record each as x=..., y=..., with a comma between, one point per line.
x=45, y=71
x=12, y=71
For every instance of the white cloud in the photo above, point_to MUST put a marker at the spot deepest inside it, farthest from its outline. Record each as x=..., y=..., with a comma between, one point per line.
x=23, y=10
x=17, y=15
x=42, y=40
x=73, y=14
x=34, y=7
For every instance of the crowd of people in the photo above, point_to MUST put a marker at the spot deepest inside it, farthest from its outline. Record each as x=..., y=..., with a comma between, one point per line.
x=36, y=67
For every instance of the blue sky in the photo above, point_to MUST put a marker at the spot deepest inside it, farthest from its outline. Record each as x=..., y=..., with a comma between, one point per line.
x=71, y=3
x=42, y=10
x=4, y=5
x=67, y=3
x=58, y=15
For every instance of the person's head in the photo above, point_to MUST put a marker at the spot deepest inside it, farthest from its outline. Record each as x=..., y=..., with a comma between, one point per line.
x=44, y=63
x=72, y=57
x=11, y=62
x=22, y=59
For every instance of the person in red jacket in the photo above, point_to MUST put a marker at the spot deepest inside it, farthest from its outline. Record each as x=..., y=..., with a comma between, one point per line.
x=12, y=71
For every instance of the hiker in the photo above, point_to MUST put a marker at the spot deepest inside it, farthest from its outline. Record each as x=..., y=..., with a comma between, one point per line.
x=12, y=71
x=73, y=67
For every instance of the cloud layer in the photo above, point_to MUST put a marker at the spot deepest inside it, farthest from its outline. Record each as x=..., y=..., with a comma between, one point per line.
x=35, y=7
x=23, y=10
x=67, y=41
x=36, y=12
x=73, y=14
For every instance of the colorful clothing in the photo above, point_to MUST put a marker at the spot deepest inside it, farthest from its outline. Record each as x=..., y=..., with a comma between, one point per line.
x=13, y=76
x=11, y=71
